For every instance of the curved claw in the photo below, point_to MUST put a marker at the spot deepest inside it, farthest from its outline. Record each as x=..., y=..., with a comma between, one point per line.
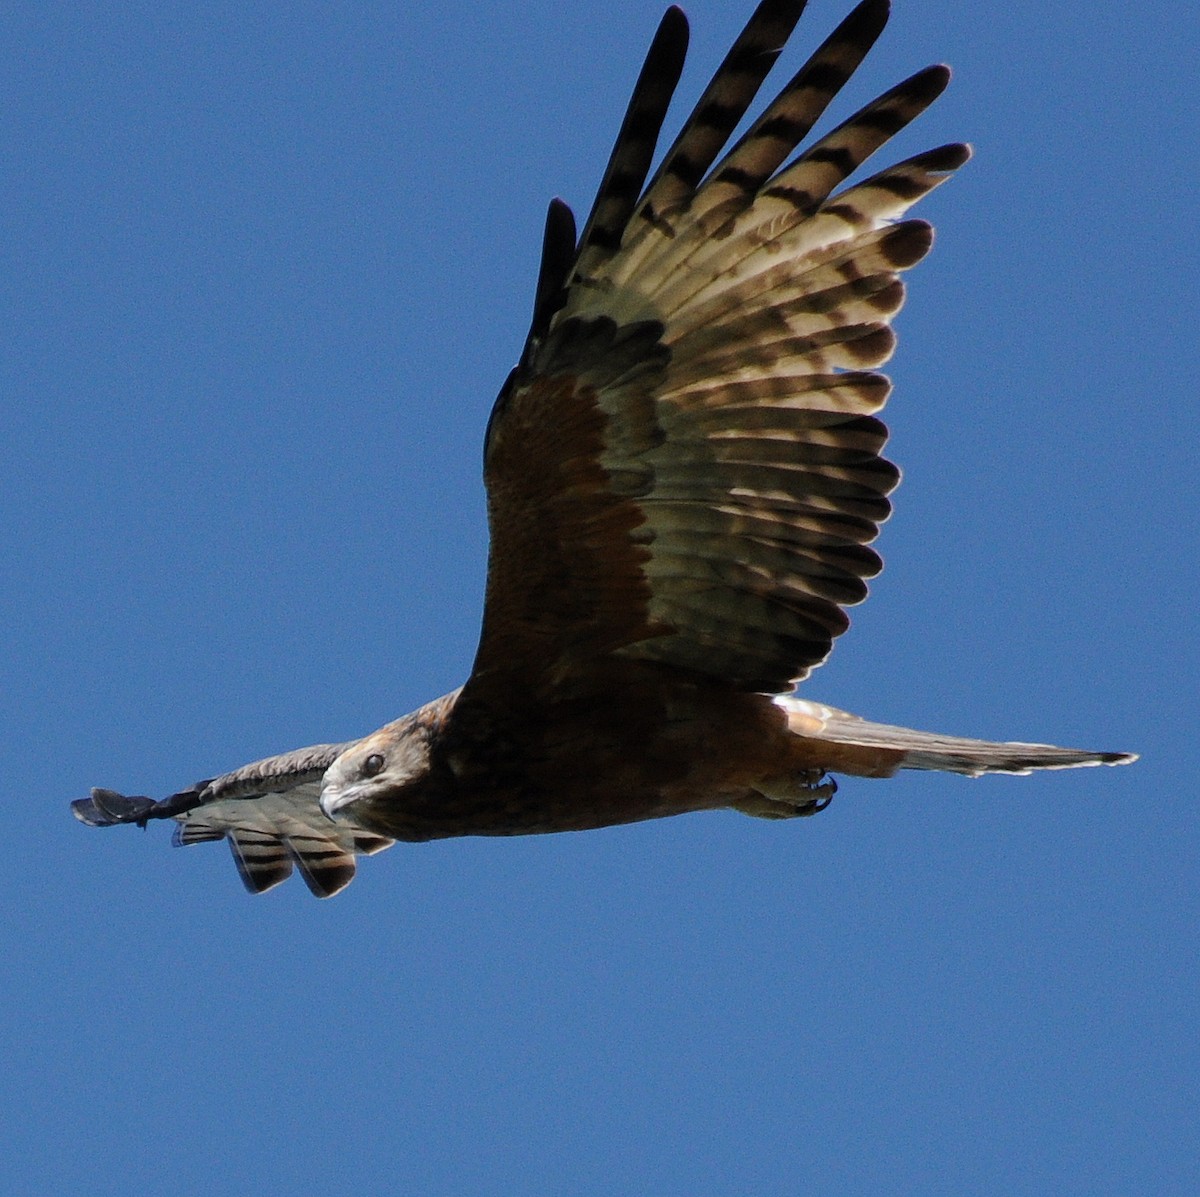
x=820, y=796
x=810, y=797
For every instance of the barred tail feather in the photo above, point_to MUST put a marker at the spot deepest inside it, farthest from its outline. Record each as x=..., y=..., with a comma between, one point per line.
x=905, y=748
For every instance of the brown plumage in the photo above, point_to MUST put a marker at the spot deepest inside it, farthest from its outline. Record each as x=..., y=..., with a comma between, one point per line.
x=684, y=473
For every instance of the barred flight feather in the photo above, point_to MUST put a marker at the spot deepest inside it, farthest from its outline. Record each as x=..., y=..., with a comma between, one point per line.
x=735, y=182
x=850, y=392
x=684, y=519
x=782, y=298
x=622, y=182
x=765, y=567
x=717, y=113
x=768, y=298
x=270, y=833
x=715, y=241
x=803, y=425
x=769, y=273
x=788, y=120
x=705, y=257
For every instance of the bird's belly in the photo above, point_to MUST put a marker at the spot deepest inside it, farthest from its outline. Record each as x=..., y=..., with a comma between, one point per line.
x=534, y=811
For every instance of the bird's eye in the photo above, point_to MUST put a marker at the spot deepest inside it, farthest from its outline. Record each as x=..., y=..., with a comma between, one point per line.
x=372, y=765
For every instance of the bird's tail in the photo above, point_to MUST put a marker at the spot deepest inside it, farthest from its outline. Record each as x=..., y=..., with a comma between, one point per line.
x=879, y=749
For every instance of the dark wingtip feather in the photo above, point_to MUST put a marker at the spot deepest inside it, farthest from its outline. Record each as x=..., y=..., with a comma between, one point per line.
x=723, y=104
x=558, y=256
x=782, y=13
x=674, y=25
x=944, y=158
x=905, y=244
x=261, y=859
x=932, y=81
x=867, y=20
x=634, y=149
x=325, y=879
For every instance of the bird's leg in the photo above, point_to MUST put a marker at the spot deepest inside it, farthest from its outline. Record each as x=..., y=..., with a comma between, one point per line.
x=814, y=793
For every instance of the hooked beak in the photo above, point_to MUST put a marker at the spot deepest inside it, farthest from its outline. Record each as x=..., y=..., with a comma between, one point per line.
x=335, y=798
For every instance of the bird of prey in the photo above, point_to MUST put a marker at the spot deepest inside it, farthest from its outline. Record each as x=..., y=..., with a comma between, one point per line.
x=683, y=473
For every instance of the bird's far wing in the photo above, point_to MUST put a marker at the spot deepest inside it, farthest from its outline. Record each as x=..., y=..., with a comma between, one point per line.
x=268, y=812
x=685, y=466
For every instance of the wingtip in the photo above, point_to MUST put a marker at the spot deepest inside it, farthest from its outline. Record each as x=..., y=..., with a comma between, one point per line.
x=948, y=157
x=559, y=211
x=673, y=29
x=868, y=19
x=784, y=12
x=930, y=82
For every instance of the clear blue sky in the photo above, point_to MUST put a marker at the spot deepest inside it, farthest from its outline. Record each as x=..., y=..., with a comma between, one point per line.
x=264, y=267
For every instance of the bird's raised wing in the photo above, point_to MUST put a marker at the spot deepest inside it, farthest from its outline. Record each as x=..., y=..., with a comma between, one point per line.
x=268, y=812
x=685, y=466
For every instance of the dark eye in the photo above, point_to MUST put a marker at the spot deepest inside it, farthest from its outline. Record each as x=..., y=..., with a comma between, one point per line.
x=372, y=765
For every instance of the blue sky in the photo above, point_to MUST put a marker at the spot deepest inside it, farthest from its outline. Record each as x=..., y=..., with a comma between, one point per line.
x=264, y=268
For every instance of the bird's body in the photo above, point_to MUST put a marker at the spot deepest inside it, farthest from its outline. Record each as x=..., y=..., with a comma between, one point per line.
x=642, y=745
x=684, y=472
x=640, y=741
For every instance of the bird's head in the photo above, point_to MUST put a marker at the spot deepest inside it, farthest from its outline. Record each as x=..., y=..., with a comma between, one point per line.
x=383, y=765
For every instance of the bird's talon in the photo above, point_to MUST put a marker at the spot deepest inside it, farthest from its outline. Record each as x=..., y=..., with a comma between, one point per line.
x=820, y=796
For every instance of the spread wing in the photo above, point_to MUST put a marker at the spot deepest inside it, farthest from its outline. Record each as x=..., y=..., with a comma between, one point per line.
x=268, y=812
x=685, y=466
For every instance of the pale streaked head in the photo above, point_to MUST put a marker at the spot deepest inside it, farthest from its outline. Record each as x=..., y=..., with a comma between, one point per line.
x=386, y=761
